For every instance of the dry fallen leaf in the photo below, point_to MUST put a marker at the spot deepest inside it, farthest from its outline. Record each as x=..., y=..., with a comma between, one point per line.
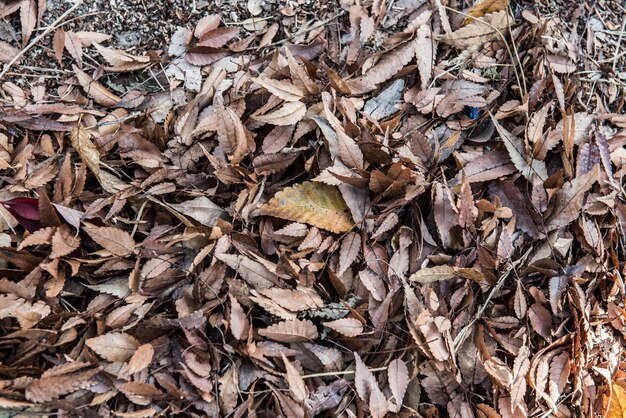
x=292, y=331
x=114, y=346
x=479, y=31
x=314, y=203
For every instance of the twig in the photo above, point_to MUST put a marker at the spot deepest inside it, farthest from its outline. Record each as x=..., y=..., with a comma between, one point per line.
x=39, y=37
x=326, y=374
x=619, y=43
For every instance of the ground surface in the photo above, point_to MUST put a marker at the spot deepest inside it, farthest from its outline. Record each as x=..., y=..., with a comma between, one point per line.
x=400, y=208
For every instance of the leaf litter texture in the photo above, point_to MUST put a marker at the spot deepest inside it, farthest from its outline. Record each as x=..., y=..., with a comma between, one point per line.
x=316, y=219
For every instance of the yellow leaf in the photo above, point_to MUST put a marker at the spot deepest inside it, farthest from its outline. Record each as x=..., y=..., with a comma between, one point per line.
x=485, y=7
x=617, y=403
x=314, y=203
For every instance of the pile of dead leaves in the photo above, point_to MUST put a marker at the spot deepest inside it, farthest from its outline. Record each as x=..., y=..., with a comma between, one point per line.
x=413, y=211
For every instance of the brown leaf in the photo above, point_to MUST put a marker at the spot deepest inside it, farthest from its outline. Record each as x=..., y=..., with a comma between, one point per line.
x=217, y=38
x=40, y=237
x=205, y=55
x=7, y=52
x=86, y=149
x=252, y=271
x=479, y=31
x=433, y=274
x=238, y=320
x=201, y=209
x=28, y=19
x=398, y=375
x=73, y=45
x=140, y=360
x=114, y=240
x=348, y=327
x=287, y=114
x=541, y=320
x=528, y=166
x=282, y=89
x=114, y=346
x=295, y=381
x=230, y=132
x=314, y=203
x=350, y=249
x=64, y=241
x=368, y=389
x=569, y=199
x=207, y=24
x=292, y=331
x=387, y=67
x=51, y=387
x=95, y=90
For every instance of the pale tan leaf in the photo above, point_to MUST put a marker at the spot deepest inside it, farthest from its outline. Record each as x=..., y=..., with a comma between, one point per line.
x=529, y=167
x=489, y=166
x=58, y=45
x=116, y=241
x=291, y=331
x=207, y=24
x=479, y=31
x=313, y=203
x=349, y=327
x=368, y=389
x=350, y=249
x=51, y=388
x=119, y=58
x=534, y=130
x=398, y=374
x=433, y=274
x=387, y=67
x=541, y=320
x=7, y=52
x=140, y=360
x=74, y=46
x=88, y=38
x=28, y=314
x=287, y=114
x=230, y=132
x=201, y=209
x=86, y=149
x=28, y=19
x=295, y=381
x=569, y=199
x=114, y=346
x=252, y=271
x=282, y=89
x=95, y=90
x=424, y=54
x=296, y=300
x=64, y=241
x=40, y=237
x=238, y=320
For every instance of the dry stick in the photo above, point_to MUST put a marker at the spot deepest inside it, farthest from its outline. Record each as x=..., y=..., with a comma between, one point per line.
x=308, y=376
x=50, y=28
x=619, y=42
